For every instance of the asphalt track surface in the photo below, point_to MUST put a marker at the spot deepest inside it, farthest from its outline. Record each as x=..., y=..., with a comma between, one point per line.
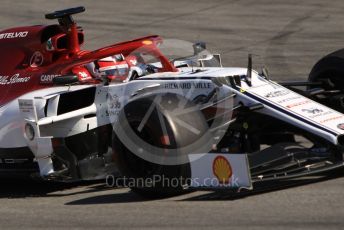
x=286, y=36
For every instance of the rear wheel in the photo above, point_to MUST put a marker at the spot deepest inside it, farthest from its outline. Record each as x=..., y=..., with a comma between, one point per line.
x=330, y=72
x=330, y=67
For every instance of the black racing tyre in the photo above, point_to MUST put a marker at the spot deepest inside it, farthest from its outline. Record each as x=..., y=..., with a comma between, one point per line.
x=137, y=170
x=330, y=67
x=329, y=71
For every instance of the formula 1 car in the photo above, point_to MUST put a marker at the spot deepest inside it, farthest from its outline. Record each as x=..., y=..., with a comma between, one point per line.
x=164, y=125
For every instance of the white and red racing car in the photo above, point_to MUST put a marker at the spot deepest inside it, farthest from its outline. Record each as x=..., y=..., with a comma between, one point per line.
x=165, y=125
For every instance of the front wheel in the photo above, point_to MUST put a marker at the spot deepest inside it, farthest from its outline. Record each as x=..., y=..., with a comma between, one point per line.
x=164, y=170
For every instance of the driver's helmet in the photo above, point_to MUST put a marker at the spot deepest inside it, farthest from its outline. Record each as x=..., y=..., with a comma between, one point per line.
x=113, y=67
x=137, y=64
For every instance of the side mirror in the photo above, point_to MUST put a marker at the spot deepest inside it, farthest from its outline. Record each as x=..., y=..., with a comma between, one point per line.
x=59, y=42
x=65, y=80
x=212, y=60
x=198, y=47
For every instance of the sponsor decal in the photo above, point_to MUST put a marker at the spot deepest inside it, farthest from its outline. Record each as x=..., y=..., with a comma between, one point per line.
x=331, y=119
x=22, y=34
x=188, y=85
x=114, y=102
x=82, y=74
x=222, y=169
x=205, y=167
x=320, y=114
x=36, y=59
x=25, y=106
x=312, y=110
x=340, y=126
x=277, y=93
x=114, y=105
x=288, y=99
x=297, y=104
x=48, y=78
x=6, y=80
x=315, y=112
x=13, y=161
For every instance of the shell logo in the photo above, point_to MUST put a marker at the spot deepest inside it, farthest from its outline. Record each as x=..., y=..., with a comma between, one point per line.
x=222, y=169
